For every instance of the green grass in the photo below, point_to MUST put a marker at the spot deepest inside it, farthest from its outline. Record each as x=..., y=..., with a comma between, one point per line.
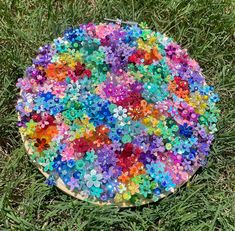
x=206, y=28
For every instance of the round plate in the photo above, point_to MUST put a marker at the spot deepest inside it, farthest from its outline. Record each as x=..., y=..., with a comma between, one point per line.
x=116, y=114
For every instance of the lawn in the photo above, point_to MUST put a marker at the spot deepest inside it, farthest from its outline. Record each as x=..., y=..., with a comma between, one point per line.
x=207, y=202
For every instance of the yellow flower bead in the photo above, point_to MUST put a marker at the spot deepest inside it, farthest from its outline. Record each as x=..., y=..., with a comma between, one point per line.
x=126, y=196
x=152, y=40
x=157, y=132
x=168, y=146
x=118, y=198
x=146, y=121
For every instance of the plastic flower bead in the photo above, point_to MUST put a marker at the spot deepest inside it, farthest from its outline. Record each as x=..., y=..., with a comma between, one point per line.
x=48, y=166
x=90, y=156
x=50, y=181
x=134, y=188
x=145, y=188
x=93, y=179
x=73, y=183
x=30, y=127
x=80, y=164
x=67, y=153
x=96, y=191
x=119, y=113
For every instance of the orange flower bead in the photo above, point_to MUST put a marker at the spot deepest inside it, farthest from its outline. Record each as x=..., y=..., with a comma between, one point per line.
x=57, y=71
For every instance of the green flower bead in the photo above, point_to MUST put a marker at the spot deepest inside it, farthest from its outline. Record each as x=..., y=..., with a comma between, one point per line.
x=112, y=107
x=168, y=146
x=137, y=179
x=73, y=114
x=96, y=191
x=145, y=188
x=33, y=156
x=79, y=165
x=48, y=166
x=50, y=154
x=41, y=160
x=90, y=156
x=126, y=139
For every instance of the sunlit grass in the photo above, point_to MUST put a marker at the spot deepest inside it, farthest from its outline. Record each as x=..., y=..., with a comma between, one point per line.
x=206, y=28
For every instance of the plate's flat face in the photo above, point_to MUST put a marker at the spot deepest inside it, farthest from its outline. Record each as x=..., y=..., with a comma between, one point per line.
x=116, y=114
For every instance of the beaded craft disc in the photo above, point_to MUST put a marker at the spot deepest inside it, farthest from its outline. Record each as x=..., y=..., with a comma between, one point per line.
x=116, y=114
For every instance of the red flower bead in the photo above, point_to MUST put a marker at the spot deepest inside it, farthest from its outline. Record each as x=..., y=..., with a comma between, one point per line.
x=36, y=117
x=87, y=73
x=82, y=145
x=79, y=69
